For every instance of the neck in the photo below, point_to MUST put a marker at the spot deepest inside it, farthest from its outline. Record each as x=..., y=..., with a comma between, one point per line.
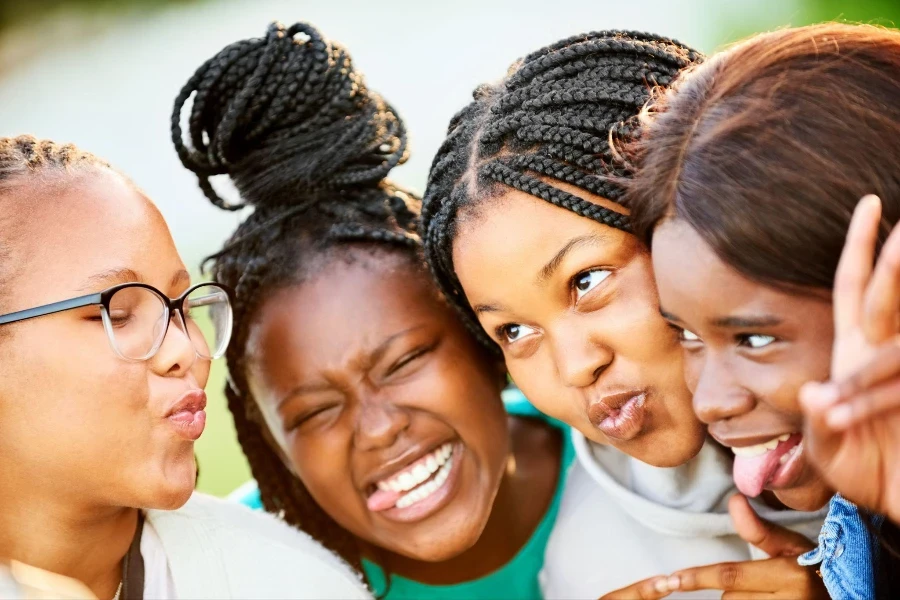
x=85, y=543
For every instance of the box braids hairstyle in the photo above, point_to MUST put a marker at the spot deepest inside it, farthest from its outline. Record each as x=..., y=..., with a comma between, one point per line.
x=555, y=117
x=308, y=146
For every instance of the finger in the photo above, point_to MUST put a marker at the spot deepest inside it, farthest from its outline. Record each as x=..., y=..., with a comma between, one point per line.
x=751, y=596
x=648, y=589
x=855, y=265
x=884, y=365
x=750, y=576
x=881, y=305
x=865, y=406
x=772, y=539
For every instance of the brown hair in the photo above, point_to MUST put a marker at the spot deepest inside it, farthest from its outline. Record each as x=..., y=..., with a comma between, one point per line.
x=766, y=148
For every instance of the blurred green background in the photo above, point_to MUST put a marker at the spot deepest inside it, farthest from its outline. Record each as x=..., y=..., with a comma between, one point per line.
x=103, y=73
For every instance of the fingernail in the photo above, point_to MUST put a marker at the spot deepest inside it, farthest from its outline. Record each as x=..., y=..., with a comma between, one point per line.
x=661, y=585
x=674, y=582
x=839, y=416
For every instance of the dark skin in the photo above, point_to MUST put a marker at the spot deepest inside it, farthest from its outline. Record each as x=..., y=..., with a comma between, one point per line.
x=365, y=367
x=749, y=349
x=85, y=439
x=573, y=305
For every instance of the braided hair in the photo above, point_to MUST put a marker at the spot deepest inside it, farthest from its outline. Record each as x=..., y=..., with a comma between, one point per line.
x=308, y=147
x=555, y=117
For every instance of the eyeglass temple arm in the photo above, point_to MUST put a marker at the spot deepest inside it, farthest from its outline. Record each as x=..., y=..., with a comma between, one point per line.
x=49, y=309
x=207, y=299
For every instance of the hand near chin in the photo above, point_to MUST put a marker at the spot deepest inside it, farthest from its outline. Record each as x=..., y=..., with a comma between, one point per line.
x=776, y=577
x=852, y=425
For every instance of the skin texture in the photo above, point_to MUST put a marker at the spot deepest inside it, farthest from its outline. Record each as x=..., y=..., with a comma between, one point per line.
x=588, y=330
x=749, y=348
x=84, y=432
x=364, y=367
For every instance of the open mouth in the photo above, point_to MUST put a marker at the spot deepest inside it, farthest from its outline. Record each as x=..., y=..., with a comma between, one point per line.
x=775, y=464
x=416, y=485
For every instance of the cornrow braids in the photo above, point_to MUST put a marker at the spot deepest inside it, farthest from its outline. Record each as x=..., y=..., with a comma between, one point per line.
x=555, y=117
x=308, y=146
x=26, y=155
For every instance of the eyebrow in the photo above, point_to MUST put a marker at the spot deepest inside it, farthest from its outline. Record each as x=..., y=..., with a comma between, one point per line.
x=111, y=277
x=735, y=322
x=576, y=242
x=116, y=276
x=376, y=355
x=746, y=322
x=485, y=308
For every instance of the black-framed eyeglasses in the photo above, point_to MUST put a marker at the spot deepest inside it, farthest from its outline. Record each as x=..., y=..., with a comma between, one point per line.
x=136, y=317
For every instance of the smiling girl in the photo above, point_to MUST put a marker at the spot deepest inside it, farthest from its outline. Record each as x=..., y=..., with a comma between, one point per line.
x=370, y=415
x=750, y=171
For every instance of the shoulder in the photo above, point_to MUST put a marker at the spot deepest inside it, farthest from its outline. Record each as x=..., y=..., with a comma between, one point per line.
x=254, y=551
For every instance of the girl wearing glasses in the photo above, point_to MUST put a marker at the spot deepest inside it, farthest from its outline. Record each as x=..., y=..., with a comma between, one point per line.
x=105, y=348
x=369, y=414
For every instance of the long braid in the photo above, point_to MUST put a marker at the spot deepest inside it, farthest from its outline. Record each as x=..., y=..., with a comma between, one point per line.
x=308, y=147
x=555, y=117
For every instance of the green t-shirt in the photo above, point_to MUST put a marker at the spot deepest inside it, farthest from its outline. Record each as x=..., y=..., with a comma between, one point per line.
x=517, y=579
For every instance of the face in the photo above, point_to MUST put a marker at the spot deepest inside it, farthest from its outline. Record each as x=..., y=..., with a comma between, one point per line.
x=81, y=425
x=573, y=306
x=748, y=350
x=382, y=404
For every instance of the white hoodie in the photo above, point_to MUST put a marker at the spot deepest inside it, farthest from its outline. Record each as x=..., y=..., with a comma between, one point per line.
x=622, y=520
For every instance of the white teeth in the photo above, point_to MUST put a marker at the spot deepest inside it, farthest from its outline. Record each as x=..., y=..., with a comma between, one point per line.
x=413, y=477
x=760, y=449
x=423, y=491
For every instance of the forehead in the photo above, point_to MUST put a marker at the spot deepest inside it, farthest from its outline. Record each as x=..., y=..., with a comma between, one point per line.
x=518, y=231
x=78, y=226
x=345, y=305
x=696, y=285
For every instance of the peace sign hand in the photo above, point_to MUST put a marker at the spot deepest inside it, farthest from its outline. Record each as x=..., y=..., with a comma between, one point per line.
x=851, y=422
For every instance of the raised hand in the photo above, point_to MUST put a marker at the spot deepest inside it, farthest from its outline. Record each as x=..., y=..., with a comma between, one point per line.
x=852, y=426
x=777, y=577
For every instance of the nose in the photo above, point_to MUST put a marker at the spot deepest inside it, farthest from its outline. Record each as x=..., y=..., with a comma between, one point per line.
x=580, y=355
x=718, y=395
x=378, y=423
x=176, y=355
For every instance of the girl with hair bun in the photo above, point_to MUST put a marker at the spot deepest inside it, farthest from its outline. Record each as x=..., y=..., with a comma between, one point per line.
x=371, y=417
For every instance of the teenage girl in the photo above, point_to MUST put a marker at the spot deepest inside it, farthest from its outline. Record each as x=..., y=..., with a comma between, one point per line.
x=105, y=347
x=526, y=231
x=370, y=415
x=749, y=173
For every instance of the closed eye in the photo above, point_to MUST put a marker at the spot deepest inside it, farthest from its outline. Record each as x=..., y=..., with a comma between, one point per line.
x=308, y=417
x=409, y=358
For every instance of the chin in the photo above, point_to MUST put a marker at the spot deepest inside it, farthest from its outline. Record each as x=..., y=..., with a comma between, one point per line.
x=174, y=487
x=806, y=498
x=678, y=447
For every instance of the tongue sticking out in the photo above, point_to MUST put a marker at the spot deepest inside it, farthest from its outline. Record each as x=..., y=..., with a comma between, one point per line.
x=752, y=473
x=383, y=500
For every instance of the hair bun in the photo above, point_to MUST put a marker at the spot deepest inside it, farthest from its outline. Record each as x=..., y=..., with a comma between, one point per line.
x=286, y=116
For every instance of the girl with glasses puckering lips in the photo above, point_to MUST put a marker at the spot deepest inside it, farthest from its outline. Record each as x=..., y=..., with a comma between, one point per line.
x=105, y=348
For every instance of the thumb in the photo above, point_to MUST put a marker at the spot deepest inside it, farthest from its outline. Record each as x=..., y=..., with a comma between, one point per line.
x=774, y=540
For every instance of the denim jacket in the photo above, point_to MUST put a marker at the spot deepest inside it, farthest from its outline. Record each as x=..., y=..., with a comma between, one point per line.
x=846, y=553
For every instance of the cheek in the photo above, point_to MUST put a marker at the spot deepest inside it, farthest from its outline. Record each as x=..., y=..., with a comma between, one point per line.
x=693, y=367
